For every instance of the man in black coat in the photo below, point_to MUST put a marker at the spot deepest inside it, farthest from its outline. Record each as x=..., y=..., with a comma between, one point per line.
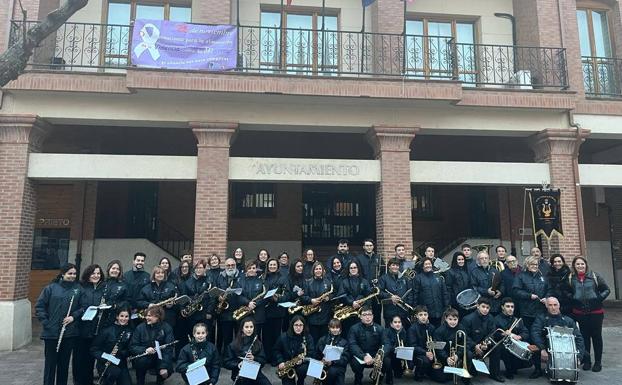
x=365, y=339
x=136, y=278
x=504, y=321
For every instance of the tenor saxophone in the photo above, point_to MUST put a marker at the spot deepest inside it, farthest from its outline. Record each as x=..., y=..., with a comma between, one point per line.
x=288, y=370
x=310, y=309
x=244, y=311
x=347, y=311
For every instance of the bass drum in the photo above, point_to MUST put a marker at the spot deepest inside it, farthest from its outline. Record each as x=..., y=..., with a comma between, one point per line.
x=467, y=299
x=563, y=362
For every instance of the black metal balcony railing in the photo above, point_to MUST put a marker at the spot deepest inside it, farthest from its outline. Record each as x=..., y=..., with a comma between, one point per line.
x=602, y=76
x=306, y=52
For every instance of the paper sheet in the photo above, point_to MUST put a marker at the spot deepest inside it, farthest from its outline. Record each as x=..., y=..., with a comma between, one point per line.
x=271, y=293
x=315, y=368
x=359, y=361
x=287, y=304
x=158, y=350
x=89, y=313
x=249, y=369
x=197, y=375
x=296, y=289
x=452, y=370
x=480, y=366
x=236, y=291
x=332, y=353
x=196, y=364
x=109, y=357
x=404, y=352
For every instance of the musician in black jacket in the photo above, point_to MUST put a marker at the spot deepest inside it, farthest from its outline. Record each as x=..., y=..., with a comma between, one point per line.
x=116, y=292
x=371, y=269
x=309, y=261
x=228, y=279
x=157, y=291
x=314, y=288
x=198, y=349
x=420, y=334
x=394, y=336
x=504, y=321
x=478, y=325
x=487, y=281
x=430, y=290
x=343, y=254
x=275, y=314
x=353, y=287
x=253, y=291
x=114, y=337
x=249, y=346
x=457, y=279
x=144, y=342
x=335, y=370
x=447, y=333
x=365, y=339
x=530, y=287
x=213, y=269
x=392, y=289
x=195, y=286
x=136, y=279
x=290, y=344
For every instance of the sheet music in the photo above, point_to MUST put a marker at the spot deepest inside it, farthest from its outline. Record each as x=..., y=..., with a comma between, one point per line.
x=315, y=368
x=109, y=357
x=249, y=369
x=270, y=293
x=332, y=353
x=236, y=291
x=287, y=304
x=89, y=313
x=480, y=366
x=197, y=373
x=404, y=352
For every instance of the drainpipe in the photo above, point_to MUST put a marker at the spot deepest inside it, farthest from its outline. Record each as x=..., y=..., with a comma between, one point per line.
x=578, y=196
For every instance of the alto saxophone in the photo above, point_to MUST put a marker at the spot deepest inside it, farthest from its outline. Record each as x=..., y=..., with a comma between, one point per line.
x=244, y=311
x=222, y=301
x=376, y=372
x=288, y=370
x=196, y=304
x=346, y=311
x=310, y=309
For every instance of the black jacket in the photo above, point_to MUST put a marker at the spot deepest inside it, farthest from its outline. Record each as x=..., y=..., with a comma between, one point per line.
x=397, y=286
x=558, y=286
x=51, y=308
x=457, y=279
x=588, y=295
x=538, y=331
x=135, y=281
x=145, y=336
x=507, y=281
x=117, y=294
x=390, y=339
x=344, y=258
x=365, y=339
x=308, y=269
x=354, y=289
x=330, y=339
x=418, y=337
x=212, y=275
x=108, y=338
x=482, y=278
x=526, y=284
x=225, y=282
x=504, y=322
x=287, y=347
x=293, y=281
x=154, y=293
x=477, y=327
x=275, y=281
x=91, y=295
x=251, y=288
x=195, y=351
x=429, y=289
x=446, y=334
x=314, y=288
x=370, y=266
x=233, y=352
x=193, y=287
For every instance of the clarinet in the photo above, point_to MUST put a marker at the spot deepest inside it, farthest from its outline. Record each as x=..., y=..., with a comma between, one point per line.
x=100, y=311
x=62, y=329
x=113, y=353
x=146, y=354
x=249, y=351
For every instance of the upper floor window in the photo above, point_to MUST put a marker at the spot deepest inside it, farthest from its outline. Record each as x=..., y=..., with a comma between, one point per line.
x=254, y=200
x=594, y=33
x=424, y=200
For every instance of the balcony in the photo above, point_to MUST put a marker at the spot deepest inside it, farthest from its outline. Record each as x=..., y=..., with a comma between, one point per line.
x=602, y=76
x=314, y=53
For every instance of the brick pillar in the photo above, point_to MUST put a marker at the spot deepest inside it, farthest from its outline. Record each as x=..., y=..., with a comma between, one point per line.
x=393, y=208
x=387, y=16
x=213, y=12
x=19, y=136
x=212, y=191
x=559, y=148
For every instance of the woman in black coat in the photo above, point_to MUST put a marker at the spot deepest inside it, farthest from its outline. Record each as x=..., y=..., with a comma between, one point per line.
x=114, y=340
x=557, y=280
x=295, y=341
x=58, y=309
x=317, y=292
x=530, y=288
x=353, y=287
x=275, y=314
x=457, y=279
x=430, y=290
x=247, y=345
x=157, y=291
x=335, y=370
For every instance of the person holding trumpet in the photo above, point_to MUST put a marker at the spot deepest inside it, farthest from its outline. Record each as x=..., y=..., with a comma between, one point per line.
x=335, y=370
x=395, y=294
x=246, y=346
x=420, y=335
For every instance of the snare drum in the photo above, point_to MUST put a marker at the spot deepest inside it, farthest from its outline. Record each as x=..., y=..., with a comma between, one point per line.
x=563, y=362
x=518, y=348
x=467, y=299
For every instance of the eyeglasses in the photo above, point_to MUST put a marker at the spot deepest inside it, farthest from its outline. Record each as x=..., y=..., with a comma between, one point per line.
x=353, y=267
x=367, y=314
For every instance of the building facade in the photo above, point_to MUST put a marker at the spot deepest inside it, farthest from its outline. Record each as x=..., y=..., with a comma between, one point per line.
x=410, y=123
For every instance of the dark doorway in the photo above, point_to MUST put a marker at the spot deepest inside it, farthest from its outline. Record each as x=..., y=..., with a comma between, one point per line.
x=143, y=210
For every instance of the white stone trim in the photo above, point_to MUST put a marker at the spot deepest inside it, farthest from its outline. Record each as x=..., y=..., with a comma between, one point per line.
x=478, y=173
x=606, y=175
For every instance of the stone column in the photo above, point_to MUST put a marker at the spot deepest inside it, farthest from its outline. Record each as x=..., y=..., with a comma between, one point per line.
x=213, y=11
x=212, y=191
x=19, y=136
x=559, y=148
x=393, y=202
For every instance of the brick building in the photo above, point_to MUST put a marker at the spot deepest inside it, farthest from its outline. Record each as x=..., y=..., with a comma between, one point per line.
x=413, y=126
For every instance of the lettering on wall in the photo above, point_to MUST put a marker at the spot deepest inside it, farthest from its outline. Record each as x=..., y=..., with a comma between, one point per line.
x=268, y=168
x=53, y=222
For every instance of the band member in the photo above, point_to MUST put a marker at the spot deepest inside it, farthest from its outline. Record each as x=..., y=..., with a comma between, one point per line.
x=429, y=253
x=530, y=288
x=229, y=278
x=183, y=325
x=558, y=282
x=420, y=335
x=213, y=269
x=400, y=254
x=295, y=341
x=144, y=342
x=261, y=260
x=395, y=336
x=238, y=256
x=365, y=339
x=58, y=309
x=504, y=321
x=114, y=340
x=588, y=290
x=157, y=291
x=116, y=292
x=91, y=294
x=181, y=275
x=354, y=287
x=246, y=345
x=284, y=264
x=553, y=317
x=343, y=253
x=179, y=272
x=429, y=289
x=295, y=286
x=199, y=348
x=275, y=314
x=194, y=287
x=371, y=268
x=392, y=289
x=335, y=370
x=313, y=290
x=252, y=287
x=501, y=254
x=457, y=279
x=487, y=281
x=508, y=275
x=309, y=258
x=447, y=333
x=136, y=278
x=543, y=264
x=471, y=262
x=336, y=272
x=165, y=263
x=477, y=326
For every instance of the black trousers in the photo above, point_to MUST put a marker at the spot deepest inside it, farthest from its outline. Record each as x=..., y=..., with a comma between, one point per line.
x=317, y=331
x=271, y=330
x=143, y=364
x=82, y=362
x=226, y=330
x=358, y=368
x=261, y=380
x=423, y=367
x=56, y=367
x=115, y=375
x=301, y=374
x=591, y=326
x=335, y=375
x=377, y=309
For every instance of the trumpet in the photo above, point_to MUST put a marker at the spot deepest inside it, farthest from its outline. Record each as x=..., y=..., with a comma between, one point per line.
x=430, y=345
x=376, y=372
x=244, y=311
x=347, y=311
x=405, y=367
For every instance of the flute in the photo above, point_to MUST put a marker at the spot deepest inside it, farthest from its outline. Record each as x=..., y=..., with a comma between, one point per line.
x=113, y=353
x=146, y=354
x=62, y=329
x=249, y=351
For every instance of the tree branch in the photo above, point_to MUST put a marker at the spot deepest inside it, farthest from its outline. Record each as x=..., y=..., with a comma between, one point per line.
x=14, y=59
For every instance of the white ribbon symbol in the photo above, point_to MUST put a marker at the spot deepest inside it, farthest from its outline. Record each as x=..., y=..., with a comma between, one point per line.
x=148, y=42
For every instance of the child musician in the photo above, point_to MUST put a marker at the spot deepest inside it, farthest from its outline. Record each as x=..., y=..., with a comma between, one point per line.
x=450, y=355
x=395, y=336
x=335, y=370
x=199, y=348
x=420, y=334
x=248, y=346
x=114, y=340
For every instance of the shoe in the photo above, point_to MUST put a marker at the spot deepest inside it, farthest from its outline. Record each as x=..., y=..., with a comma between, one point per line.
x=597, y=367
x=587, y=365
x=509, y=375
x=536, y=374
x=497, y=378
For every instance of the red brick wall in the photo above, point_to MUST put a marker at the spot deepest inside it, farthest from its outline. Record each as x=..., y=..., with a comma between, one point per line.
x=54, y=201
x=212, y=12
x=19, y=135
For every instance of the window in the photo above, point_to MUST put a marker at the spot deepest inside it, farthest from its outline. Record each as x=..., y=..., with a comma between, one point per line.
x=121, y=13
x=254, y=200
x=50, y=248
x=600, y=70
x=428, y=50
x=300, y=46
x=424, y=201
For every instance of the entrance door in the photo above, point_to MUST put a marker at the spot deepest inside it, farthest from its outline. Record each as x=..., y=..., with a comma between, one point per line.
x=143, y=210
x=483, y=223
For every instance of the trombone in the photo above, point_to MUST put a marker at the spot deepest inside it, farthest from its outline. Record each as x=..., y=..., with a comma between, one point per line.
x=453, y=350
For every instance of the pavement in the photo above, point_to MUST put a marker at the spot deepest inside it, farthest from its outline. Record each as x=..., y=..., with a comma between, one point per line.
x=25, y=366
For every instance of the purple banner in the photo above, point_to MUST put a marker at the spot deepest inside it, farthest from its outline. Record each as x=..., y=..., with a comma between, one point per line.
x=174, y=45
